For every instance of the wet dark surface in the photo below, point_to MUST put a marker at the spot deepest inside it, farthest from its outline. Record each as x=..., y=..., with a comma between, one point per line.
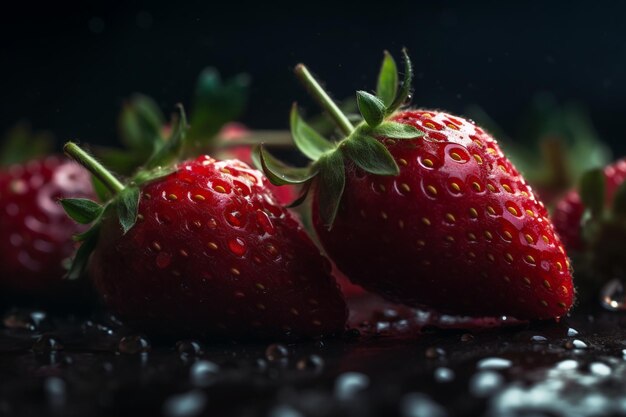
x=399, y=362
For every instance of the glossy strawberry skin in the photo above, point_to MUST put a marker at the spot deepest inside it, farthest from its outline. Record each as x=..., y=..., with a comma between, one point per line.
x=569, y=210
x=458, y=230
x=37, y=235
x=214, y=254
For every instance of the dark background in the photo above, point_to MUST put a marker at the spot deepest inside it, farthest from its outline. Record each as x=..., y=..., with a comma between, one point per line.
x=68, y=68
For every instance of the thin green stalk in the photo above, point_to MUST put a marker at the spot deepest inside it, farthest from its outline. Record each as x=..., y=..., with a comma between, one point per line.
x=79, y=155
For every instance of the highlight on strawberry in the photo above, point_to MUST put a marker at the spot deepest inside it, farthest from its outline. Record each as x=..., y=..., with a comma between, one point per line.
x=202, y=248
x=423, y=207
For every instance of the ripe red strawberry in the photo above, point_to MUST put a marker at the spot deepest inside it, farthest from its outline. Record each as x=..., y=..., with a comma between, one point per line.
x=211, y=253
x=423, y=208
x=568, y=214
x=36, y=234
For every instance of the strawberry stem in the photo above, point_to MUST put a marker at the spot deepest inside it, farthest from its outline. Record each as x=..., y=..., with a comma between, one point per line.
x=323, y=99
x=82, y=157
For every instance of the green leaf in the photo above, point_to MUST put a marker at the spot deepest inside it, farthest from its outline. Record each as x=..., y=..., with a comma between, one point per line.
x=308, y=141
x=101, y=190
x=387, y=86
x=370, y=155
x=371, y=107
x=619, y=201
x=331, y=183
x=592, y=191
x=215, y=104
x=278, y=173
x=82, y=210
x=405, y=89
x=395, y=130
x=127, y=205
x=172, y=149
x=144, y=176
x=81, y=258
x=140, y=124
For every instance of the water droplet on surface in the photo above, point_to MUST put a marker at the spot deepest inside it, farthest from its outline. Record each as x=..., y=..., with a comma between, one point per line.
x=434, y=352
x=613, y=296
x=485, y=383
x=539, y=339
x=420, y=405
x=349, y=384
x=310, y=363
x=493, y=363
x=134, y=344
x=600, y=369
x=285, y=411
x=202, y=373
x=237, y=246
x=55, y=390
x=571, y=332
x=568, y=364
x=189, y=404
x=276, y=352
x=25, y=320
x=188, y=348
x=575, y=344
x=47, y=343
x=444, y=374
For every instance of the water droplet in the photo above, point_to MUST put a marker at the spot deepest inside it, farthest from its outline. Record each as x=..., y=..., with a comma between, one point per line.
x=202, y=373
x=134, y=344
x=485, y=383
x=237, y=246
x=55, y=390
x=311, y=363
x=25, y=320
x=349, y=384
x=444, y=374
x=420, y=405
x=285, y=411
x=163, y=260
x=571, y=332
x=47, y=343
x=188, y=348
x=189, y=404
x=613, y=296
x=575, y=344
x=276, y=352
x=467, y=337
x=600, y=369
x=538, y=339
x=567, y=365
x=434, y=352
x=265, y=222
x=493, y=363
x=408, y=99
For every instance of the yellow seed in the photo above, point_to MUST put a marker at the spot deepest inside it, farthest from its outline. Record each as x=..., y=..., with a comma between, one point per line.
x=488, y=235
x=564, y=289
x=559, y=266
x=567, y=264
x=512, y=210
x=491, y=188
x=455, y=156
x=562, y=304
x=183, y=253
x=491, y=257
x=450, y=239
x=478, y=158
x=546, y=283
x=401, y=224
x=156, y=246
x=429, y=125
x=197, y=223
x=199, y=197
x=490, y=210
x=405, y=187
x=473, y=213
x=507, y=235
x=502, y=168
x=526, y=280
x=212, y=245
x=295, y=312
x=524, y=193
x=530, y=259
x=225, y=170
x=453, y=127
x=507, y=188
x=421, y=243
x=426, y=221
x=455, y=186
x=260, y=306
x=431, y=190
x=382, y=187
x=140, y=217
x=383, y=215
x=403, y=162
x=508, y=257
x=235, y=271
x=476, y=186
x=530, y=213
x=507, y=279
x=427, y=115
x=491, y=151
x=545, y=239
x=471, y=236
x=471, y=254
x=477, y=142
x=450, y=217
x=428, y=163
x=220, y=189
x=147, y=196
x=260, y=286
x=172, y=197
x=529, y=239
x=544, y=303
x=317, y=322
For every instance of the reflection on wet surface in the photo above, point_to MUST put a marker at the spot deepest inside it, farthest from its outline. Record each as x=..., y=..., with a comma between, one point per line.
x=394, y=361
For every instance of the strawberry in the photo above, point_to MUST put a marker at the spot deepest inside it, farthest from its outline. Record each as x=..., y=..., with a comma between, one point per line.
x=423, y=208
x=37, y=236
x=204, y=249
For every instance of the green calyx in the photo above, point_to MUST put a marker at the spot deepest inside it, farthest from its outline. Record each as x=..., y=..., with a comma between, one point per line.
x=117, y=198
x=358, y=146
